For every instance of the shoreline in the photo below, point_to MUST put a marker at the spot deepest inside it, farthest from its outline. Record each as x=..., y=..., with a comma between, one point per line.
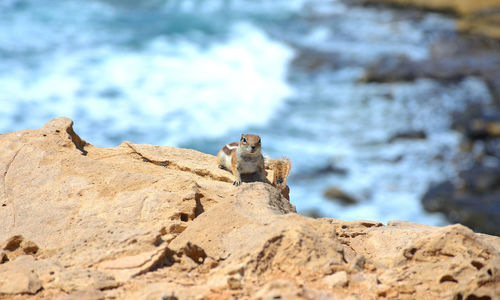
x=478, y=17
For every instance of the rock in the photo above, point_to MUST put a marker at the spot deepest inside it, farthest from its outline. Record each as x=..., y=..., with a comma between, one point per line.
x=83, y=279
x=329, y=169
x=380, y=244
x=480, y=126
x=475, y=16
x=439, y=257
x=15, y=246
x=166, y=291
x=336, y=194
x=451, y=68
x=493, y=81
x=234, y=282
x=266, y=249
x=358, y=263
x=481, y=179
x=391, y=69
x=151, y=222
x=452, y=59
x=408, y=135
x=113, y=205
x=478, y=123
x=463, y=7
x=475, y=203
x=18, y=277
x=83, y=295
x=19, y=283
x=483, y=22
x=336, y=280
x=312, y=60
x=279, y=289
x=27, y=275
x=436, y=197
x=126, y=267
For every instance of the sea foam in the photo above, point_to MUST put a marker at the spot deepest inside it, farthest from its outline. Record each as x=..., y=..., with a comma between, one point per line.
x=171, y=90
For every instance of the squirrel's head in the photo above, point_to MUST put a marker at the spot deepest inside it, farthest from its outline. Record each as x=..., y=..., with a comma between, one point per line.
x=250, y=143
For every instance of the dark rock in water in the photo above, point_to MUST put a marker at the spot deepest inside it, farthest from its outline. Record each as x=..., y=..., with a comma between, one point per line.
x=476, y=203
x=452, y=58
x=479, y=212
x=400, y=68
x=329, y=169
x=493, y=81
x=311, y=60
x=392, y=68
x=470, y=54
x=478, y=123
x=437, y=196
x=492, y=148
x=481, y=180
x=340, y=196
x=484, y=126
x=409, y=135
x=461, y=120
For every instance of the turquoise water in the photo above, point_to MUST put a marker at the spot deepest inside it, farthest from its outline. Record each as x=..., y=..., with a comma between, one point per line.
x=197, y=74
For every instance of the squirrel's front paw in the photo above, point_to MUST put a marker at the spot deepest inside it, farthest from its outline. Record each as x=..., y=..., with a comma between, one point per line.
x=236, y=182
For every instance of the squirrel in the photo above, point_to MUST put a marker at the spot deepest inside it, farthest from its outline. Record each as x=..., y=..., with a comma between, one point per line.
x=243, y=158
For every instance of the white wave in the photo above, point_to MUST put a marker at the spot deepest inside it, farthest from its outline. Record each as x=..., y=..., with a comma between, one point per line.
x=176, y=88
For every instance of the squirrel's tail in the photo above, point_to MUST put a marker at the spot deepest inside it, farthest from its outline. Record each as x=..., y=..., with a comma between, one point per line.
x=281, y=169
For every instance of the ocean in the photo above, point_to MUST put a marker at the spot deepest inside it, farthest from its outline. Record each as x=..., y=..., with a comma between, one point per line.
x=197, y=74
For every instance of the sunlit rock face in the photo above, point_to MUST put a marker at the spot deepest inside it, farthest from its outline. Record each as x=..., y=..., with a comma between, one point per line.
x=144, y=221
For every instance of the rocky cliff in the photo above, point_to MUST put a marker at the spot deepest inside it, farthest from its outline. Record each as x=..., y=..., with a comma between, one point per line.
x=150, y=222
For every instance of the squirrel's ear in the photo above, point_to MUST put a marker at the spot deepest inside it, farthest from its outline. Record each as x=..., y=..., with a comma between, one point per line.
x=242, y=136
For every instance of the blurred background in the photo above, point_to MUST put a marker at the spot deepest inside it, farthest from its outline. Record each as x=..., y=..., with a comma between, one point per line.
x=388, y=111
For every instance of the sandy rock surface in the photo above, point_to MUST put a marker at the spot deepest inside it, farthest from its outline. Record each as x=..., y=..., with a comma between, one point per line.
x=150, y=222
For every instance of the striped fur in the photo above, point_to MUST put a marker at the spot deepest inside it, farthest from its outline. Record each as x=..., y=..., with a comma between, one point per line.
x=229, y=148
